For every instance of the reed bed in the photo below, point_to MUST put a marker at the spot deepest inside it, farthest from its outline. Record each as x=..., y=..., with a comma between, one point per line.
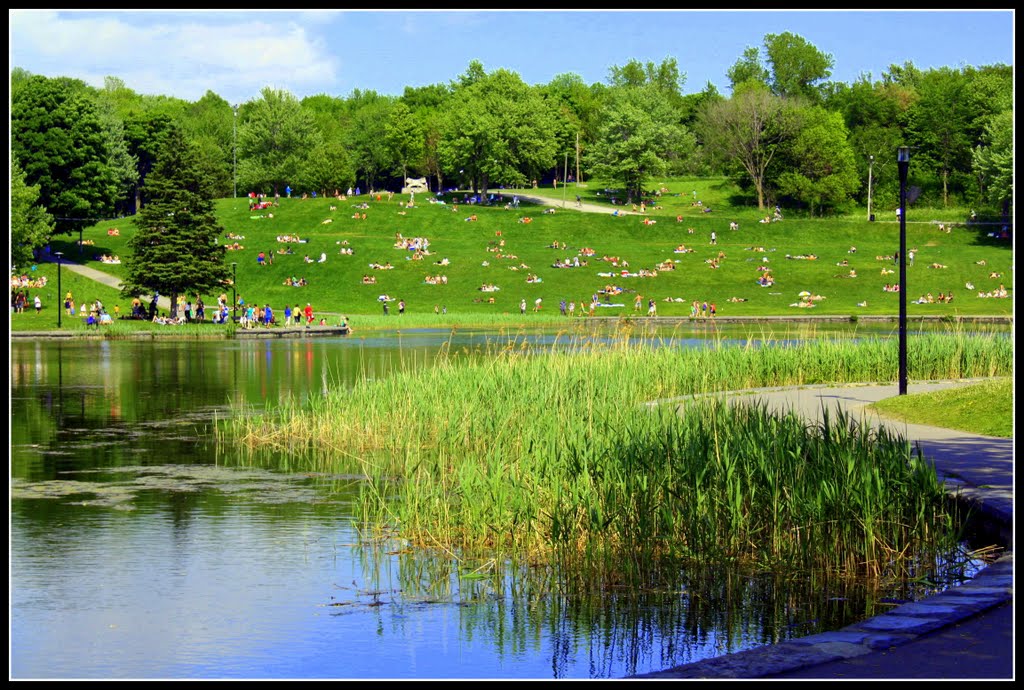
x=560, y=456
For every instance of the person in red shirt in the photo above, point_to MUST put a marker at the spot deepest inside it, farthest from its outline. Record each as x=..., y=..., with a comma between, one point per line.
x=309, y=314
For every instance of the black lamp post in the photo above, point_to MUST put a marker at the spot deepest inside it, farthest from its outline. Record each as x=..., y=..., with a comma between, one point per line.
x=60, y=299
x=234, y=298
x=234, y=150
x=902, y=163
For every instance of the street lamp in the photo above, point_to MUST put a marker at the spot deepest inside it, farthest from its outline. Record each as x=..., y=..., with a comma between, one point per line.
x=902, y=163
x=871, y=163
x=234, y=150
x=59, y=298
x=234, y=297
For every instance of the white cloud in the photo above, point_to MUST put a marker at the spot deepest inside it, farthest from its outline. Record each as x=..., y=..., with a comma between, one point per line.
x=182, y=55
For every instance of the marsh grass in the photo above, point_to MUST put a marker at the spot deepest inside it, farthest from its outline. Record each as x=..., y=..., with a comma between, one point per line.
x=559, y=457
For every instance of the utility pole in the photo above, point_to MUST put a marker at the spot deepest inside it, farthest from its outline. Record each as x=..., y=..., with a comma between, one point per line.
x=577, y=159
x=871, y=164
x=565, y=176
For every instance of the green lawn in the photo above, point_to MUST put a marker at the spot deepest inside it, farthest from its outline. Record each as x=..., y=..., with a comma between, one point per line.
x=476, y=256
x=985, y=408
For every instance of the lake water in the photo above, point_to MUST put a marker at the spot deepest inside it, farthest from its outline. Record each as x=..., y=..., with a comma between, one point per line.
x=139, y=549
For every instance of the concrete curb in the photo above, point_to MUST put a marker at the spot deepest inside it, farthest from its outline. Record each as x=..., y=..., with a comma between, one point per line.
x=904, y=624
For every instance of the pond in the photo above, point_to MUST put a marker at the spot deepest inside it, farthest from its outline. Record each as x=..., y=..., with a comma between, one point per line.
x=140, y=549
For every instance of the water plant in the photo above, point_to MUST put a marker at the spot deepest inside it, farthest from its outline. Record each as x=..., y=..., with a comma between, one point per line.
x=606, y=454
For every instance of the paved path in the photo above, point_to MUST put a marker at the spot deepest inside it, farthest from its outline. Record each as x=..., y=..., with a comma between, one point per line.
x=963, y=633
x=163, y=302
x=569, y=204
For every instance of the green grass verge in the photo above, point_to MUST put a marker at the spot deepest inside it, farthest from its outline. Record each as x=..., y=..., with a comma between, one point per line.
x=476, y=256
x=985, y=408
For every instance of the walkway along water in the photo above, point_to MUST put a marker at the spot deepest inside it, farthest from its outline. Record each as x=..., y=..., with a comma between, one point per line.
x=964, y=632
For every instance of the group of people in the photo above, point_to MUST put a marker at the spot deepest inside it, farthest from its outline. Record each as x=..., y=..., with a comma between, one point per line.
x=703, y=309
x=411, y=243
x=23, y=281
x=998, y=293
x=927, y=298
x=255, y=316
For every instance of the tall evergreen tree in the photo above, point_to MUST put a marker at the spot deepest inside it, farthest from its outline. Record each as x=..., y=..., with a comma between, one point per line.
x=175, y=250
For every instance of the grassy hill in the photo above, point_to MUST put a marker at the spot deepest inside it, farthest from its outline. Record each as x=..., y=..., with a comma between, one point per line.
x=497, y=248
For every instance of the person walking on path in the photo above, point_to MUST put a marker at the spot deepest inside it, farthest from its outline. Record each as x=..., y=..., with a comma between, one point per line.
x=522, y=306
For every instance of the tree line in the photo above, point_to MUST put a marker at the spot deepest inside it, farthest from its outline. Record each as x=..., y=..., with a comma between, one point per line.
x=787, y=135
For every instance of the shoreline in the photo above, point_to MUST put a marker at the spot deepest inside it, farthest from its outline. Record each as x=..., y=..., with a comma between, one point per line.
x=321, y=331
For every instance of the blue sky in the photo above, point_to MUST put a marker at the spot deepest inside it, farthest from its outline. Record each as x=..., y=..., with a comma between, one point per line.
x=236, y=54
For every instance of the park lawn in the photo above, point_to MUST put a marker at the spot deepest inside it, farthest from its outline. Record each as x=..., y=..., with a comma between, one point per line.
x=81, y=288
x=984, y=408
x=336, y=285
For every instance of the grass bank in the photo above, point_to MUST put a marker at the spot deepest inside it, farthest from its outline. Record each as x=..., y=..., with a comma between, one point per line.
x=621, y=257
x=985, y=408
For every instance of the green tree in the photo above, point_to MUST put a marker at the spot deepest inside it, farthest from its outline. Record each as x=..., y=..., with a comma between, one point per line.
x=210, y=124
x=748, y=70
x=940, y=128
x=64, y=149
x=327, y=169
x=577, y=108
x=275, y=135
x=796, y=65
x=371, y=155
x=818, y=166
x=665, y=77
x=432, y=124
x=874, y=114
x=993, y=161
x=498, y=129
x=403, y=137
x=145, y=134
x=120, y=160
x=748, y=130
x=639, y=135
x=176, y=249
x=31, y=225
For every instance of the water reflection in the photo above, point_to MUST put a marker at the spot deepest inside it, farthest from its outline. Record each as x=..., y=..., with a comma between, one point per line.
x=139, y=549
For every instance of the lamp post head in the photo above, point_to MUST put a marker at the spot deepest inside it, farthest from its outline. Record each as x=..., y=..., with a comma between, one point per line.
x=903, y=154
